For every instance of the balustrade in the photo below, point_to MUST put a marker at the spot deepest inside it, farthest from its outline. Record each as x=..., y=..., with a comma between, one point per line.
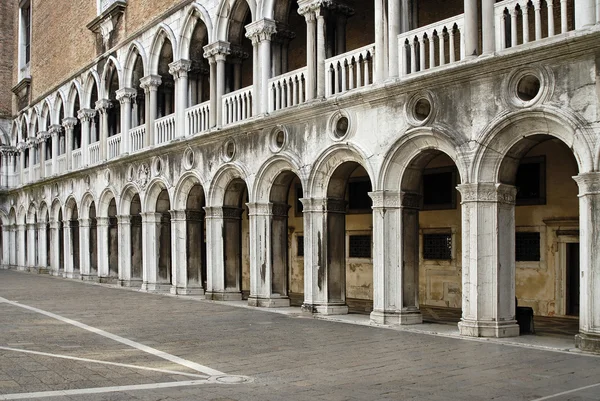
x=197, y=118
x=137, y=136
x=48, y=168
x=94, y=152
x=76, y=159
x=350, y=70
x=164, y=129
x=61, y=162
x=237, y=106
x=287, y=90
x=114, y=146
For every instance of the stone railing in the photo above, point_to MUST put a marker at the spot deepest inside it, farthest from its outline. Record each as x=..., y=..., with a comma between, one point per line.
x=522, y=21
x=48, y=168
x=114, y=146
x=164, y=129
x=25, y=176
x=137, y=137
x=76, y=159
x=61, y=163
x=287, y=90
x=36, y=172
x=237, y=106
x=431, y=46
x=350, y=70
x=94, y=152
x=197, y=118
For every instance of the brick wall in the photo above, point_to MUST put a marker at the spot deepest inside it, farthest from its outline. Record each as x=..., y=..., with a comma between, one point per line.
x=7, y=34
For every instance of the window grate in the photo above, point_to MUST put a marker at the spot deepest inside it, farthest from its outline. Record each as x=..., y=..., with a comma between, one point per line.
x=527, y=247
x=360, y=246
x=437, y=246
x=300, y=245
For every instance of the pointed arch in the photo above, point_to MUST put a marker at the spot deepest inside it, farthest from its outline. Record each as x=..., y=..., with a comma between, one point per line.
x=135, y=49
x=196, y=14
x=70, y=206
x=31, y=213
x=112, y=66
x=162, y=33
x=92, y=79
x=74, y=93
x=46, y=117
x=221, y=29
x=55, y=209
x=59, y=103
x=12, y=216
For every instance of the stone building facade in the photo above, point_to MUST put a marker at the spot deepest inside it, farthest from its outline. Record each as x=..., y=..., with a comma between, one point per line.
x=380, y=155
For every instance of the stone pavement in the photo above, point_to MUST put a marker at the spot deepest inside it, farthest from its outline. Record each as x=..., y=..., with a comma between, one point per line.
x=185, y=349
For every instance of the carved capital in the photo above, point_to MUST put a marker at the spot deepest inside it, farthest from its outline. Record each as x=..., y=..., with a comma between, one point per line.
x=386, y=199
x=238, y=54
x=103, y=105
x=259, y=209
x=218, y=49
x=55, y=130
x=7, y=150
x=86, y=115
x=313, y=205
x=261, y=30
x=178, y=215
x=232, y=213
x=280, y=209
x=69, y=122
x=150, y=82
x=125, y=95
x=488, y=192
x=180, y=68
x=589, y=183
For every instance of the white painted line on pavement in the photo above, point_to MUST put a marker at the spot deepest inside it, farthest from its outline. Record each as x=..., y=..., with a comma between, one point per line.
x=100, y=390
x=124, y=365
x=549, y=397
x=180, y=361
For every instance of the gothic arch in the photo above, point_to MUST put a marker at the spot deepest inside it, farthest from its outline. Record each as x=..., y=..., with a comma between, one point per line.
x=74, y=92
x=196, y=14
x=413, y=143
x=4, y=217
x=12, y=216
x=270, y=171
x=31, y=213
x=46, y=107
x=112, y=62
x=163, y=32
x=524, y=128
x=224, y=14
x=182, y=190
x=59, y=103
x=22, y=215
x=221, y=180
x=135, y=49
x=155, y=187
x=42, y=210
x=327, y=163
x=92, y=79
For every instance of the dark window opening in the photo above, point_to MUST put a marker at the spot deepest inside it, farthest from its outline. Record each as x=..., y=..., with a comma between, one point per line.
x=358, y=195
x=359, y=246
x=299, y=205
x=437, y=246
x=531, y=181
x=300, y=246
x=27, y=31
x=439, y=188
x=527, y=247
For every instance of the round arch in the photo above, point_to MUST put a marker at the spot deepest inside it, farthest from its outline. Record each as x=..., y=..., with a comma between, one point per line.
x=270, y=171
x=127, y=194
x=221, y=180
x=70, y=206
x=196, y=13
x=183, y=187
x=163, y=32
x=86, y=201
x=104, y=202
x=55, y=209
x=32, y=213
x=155, y=187
x=43, y=210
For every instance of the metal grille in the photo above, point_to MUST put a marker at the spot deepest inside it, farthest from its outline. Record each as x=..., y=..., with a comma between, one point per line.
x=300, y=245
x=437, y=246
x=360, y=246
x=527, y=247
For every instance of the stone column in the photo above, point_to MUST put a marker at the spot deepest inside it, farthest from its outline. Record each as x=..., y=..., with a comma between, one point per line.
x=6, y=246
x=7, y=153
x=21, y=149
x=488, y=27
x=319, y=253
x=179, y=69
x=180, y=251
x=311, y=50
x=488, y=261
x=69, y=124
x=68, y=250
x=395, y=258
x=31, y=246
x=13, y=246
x=55, y=131
x=471, y=35
x=585, y=13
x=381, y=33
x=124, y=96
x=42, y=246
x=394, y=28
x=55, y=262
x=31, y=146
x=588, y=338
x=103, y=249
x=21, y=257
x=150, y=84
x=124, y=223
x=150, y=236
x=321, y=51
x=102, y=107
x=216, y=54
x=85, y=117
x=260, y=32
x=84, y=254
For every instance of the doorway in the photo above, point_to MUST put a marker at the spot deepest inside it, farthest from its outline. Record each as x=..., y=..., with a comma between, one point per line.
x=572, y=279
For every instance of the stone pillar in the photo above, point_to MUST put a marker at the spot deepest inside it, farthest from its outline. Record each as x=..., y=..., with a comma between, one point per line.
x=320, y=269
x=216, y=54
x=471, y=35
x=103, y=249
x=321, y=51
x=394, y=29
x=7, y=153
x=585, y=13
x=55, y=131
x=69, y=124
x=31, y=146
x=31, y=246
x=6, y=246
x=124, y=96
x=21, y=257
x=21, y=149
x=150, y=236
x=260, y=32
x=588, y=338
x=311, y=50
x=179, y=69
x=488, y=27
x=85, y=117
x=180, y=251
x=488, y=261
x=150, y=84
x=84, y=254
x=219, y=256
x=68, y=250
x=124, y=223
x=42, y=245
x=13, y=246
x=395, y=258
x=102, y=107
x=381, y=33
x=55, y=262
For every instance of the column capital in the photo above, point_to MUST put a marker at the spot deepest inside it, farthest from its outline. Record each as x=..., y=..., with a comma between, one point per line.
x=41, y=225
x=261, y=30
x=124, y=220
x=103, y=105
x=151, y=217
x=488, y=192
x=177, y=215
x=55, y=225
x=150, y=82
x=180, y=68
x=42, y=136
x=55, y=130
x=223, y=212
x=7, y=150
x=310, y=205
x=237, y=54
x=395, y=200
x=217, y=50
x=69, y=122
x=21, y=146
x=589, y=183
x=260, y=209
x=85, y=223
x=102, y=221
x=86, y=115
x=124, y=95
x=284, y=34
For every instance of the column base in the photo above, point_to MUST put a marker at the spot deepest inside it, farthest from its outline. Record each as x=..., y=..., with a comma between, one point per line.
x=397, y=318
x=108, y=280
x=588, y=342
x=73, y=275
x=89, y=277
x=187, y=290
x=22, y=268
x=326, y=309
x=473, y=328
x=43, y=270
x=224, y=296
x=276, y=302
x=130, y=283
x=156, y=287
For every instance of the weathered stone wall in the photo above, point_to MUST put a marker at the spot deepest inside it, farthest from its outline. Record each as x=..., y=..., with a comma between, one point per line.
x=7, y=60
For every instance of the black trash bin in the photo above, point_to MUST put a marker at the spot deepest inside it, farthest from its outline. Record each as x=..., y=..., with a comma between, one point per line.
x=524, y=316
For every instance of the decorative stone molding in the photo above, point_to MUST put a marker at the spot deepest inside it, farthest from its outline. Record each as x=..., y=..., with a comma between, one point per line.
x=217, y=50
x=278, y=138
x=237, y=54
x=143, y=175
x=42, y=136
x=261, y=30
x=213, y=212
x=488, y=192
x=69, y=122
x=411, y=200
x=104, y=25
x=313, y=205
x=150, y=82
x=386, y=199
x=103, y=105
x=420, y=109
x=86, y=115
x=341, y=125
x=260, y=209
x=589, y=183
x=21, y=146
x=180, y=68
x=231, y=213
x=545, y=80
x=178, y=215
x=195, y=215
x=125, y=95
x=6, y=150
x=55, y=130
